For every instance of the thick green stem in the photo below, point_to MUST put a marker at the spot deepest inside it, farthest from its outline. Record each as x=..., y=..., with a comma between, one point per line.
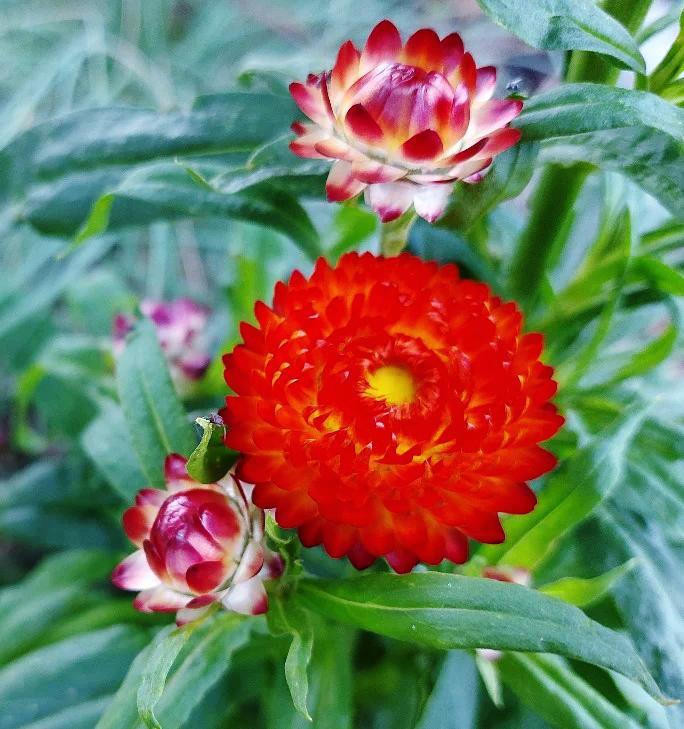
x=394, y=235
x=558, y=188
x=554, y=200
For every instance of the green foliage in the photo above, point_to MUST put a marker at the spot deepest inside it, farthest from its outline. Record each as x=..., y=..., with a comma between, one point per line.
x=144, y=155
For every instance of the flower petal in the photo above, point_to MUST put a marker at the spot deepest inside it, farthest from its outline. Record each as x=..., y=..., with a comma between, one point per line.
x=159, y=600
x=431, y=200
x=188, y=615
x=485, y=83
x=383, y=44
x=500, y=141
x=495, y=114
x=134, y=573
x=334, y=148
x=423, y=146
x=424, y=49
x=310, y=100
x=390, y=199
x=248, y=597
x=362, y=125
x=341, y=184
x=205, y=576
x=345, y=71
x=452, y=48
x=374, y=172
x=250, y=564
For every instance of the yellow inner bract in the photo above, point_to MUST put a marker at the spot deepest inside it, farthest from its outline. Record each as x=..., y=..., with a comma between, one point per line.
x=392, y=384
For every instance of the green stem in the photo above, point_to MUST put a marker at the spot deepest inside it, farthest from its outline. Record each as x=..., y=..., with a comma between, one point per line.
x=558, y=188
x=394, y=236
x=554, y=200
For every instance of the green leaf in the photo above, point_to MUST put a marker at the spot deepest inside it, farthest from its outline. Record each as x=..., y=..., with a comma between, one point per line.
x=156, y=421
x=449, y=611
x=107, y=443
x=582, y=591
x=115, y=167
x=557, y=25
x=211, y=460
x=288, y=617
x=649, y=357
x=569, y=496
x=166, y=190
x=453, y=701
x=663, y=277
x=153, y=679
x=209, y=659
x=633, y=132
x=549, y=687
x=72, y=671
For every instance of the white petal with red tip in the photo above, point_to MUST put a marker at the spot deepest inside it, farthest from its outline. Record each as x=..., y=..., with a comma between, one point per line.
x=310, y=100
x=159, y=600
x=485, y=83
x=333, y=148
x=250, y=564
x=374, y=172
x=188, y=615
x=305, y=145
x=471, y=167
x=493, y=115
x=247, y=598
x=383, y=44
x=341, y=183
x=431, y=200
x=390, y=199
x=134, y=573
x=500, y=141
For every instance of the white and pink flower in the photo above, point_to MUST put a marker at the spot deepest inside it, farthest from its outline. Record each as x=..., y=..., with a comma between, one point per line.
x=180, y=326
x=403, y=122
x=199, y=544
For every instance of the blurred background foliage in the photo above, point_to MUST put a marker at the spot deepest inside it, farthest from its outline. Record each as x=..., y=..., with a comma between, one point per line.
x=143, y=155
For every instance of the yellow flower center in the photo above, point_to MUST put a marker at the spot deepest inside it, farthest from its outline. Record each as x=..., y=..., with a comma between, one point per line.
x=392, y=384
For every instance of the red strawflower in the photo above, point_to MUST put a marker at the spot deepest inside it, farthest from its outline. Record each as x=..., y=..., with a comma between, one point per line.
x=386, y=407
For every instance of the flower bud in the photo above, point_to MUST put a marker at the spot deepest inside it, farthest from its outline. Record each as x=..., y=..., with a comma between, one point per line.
x=198, y=544
x=180, y=326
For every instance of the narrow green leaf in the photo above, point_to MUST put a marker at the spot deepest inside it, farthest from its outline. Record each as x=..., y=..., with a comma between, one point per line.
x=453, y=701
x=586, y=591
x=155, y=417
x=569, y=496
x=288, y=617
x=632, y=132
x=449, y=611
x=663, y=277
x=153, y=679
x=107, y=442
x=211, y=460
x=98, y=220
x=549, y=687
x=208, y=659
x=556, y=25
x=649, y=357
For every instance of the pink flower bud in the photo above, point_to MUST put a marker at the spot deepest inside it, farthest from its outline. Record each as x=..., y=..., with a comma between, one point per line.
x=180, y=326
x=198, y=544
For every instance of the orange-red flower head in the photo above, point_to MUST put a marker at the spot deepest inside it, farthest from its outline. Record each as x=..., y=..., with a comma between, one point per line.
x=403, y=121
x=385, y=407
